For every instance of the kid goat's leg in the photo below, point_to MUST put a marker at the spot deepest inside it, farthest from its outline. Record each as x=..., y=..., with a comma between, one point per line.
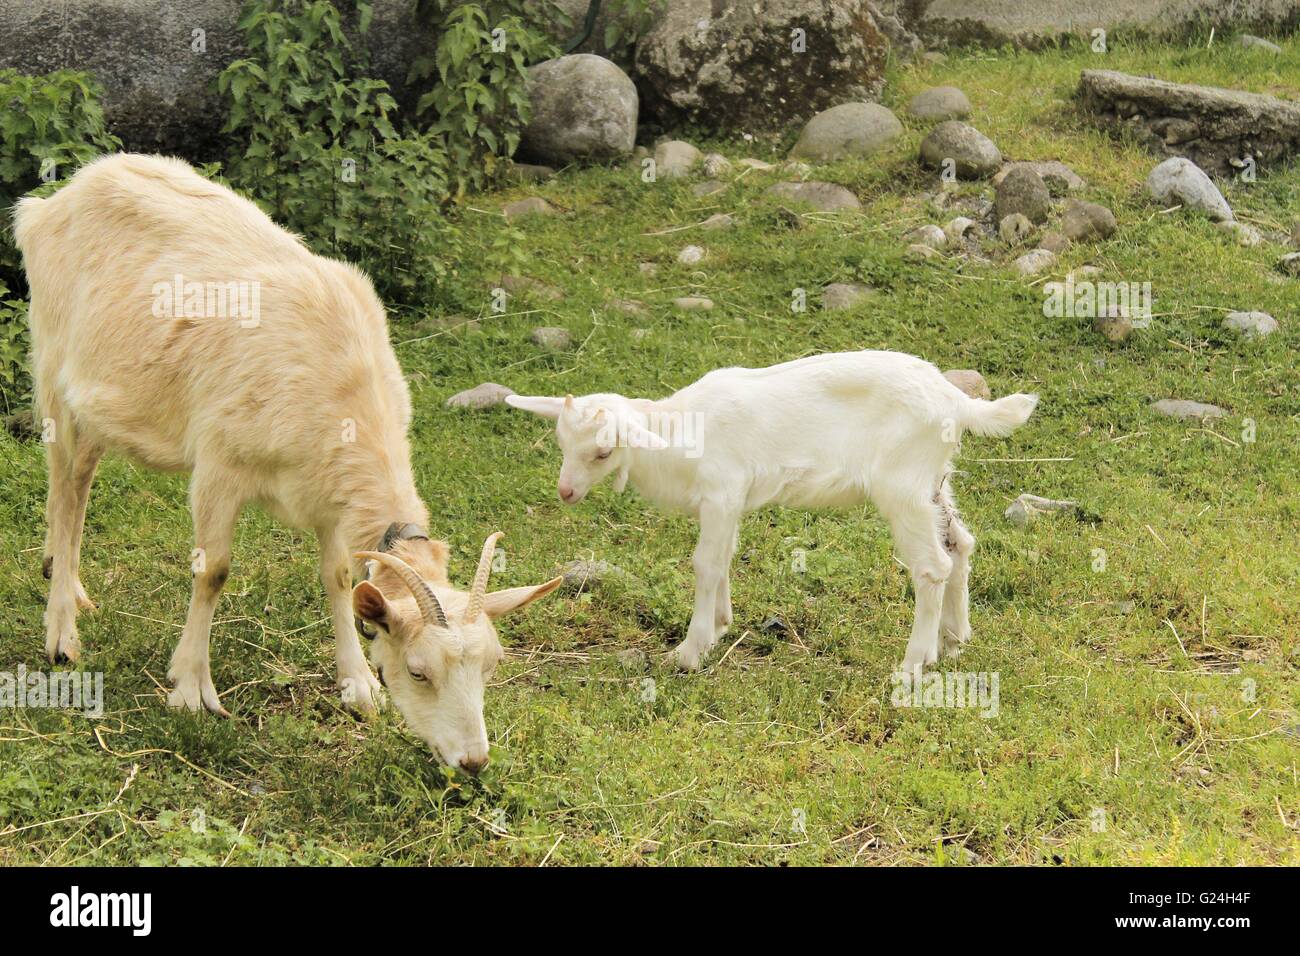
x=914, y=522
x=216, y=500
x=361, y=691
x=718, y=526
x=954, y=621
x=71, y=462
x=722, y=616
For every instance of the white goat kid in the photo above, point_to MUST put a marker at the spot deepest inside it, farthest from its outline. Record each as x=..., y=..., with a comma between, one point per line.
x=172, y=320
x=831, y=430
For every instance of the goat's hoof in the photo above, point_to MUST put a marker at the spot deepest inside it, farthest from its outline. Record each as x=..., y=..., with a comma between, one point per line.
x=686, y=658
x=951, y=646
x=362, y=694
x=195, y=694
x=62, y=646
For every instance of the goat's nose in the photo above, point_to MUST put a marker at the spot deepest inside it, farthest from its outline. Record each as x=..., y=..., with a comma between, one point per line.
x=566, y=493
x=472, y=765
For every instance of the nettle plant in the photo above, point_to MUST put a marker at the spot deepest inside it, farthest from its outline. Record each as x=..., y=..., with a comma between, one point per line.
x=320, y=152
x=476, y=80
x=49, y=125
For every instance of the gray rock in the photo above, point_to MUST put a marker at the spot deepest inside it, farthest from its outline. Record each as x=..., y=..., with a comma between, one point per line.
x=631, y=659
x=1251, y=325
x=1181, y=408
x=844, y=295
x=691, y=255
x=970, y=381
x=693, y=303
x=733, y=65
x=531, y=206
x=551, y=337
x=529, y=287
x=1290, y=263
x=761, y=166
x=1053, y=242
x=1214, y=128
x=707, y=188
x=850, y=129
x=675, y=158
x=824, y=197
x=939, y=103
x=928, y=235
x=1022, y=191
x=480, y=396
x=1015, y=229
x=715, y=164
x=719, y=220
x=530, y=173
x=973, y=154
x=160, y=93
x=589, y=575
x=1252, y=42
x=1034, y=262
x=922, y=252
x=960, y=228
x=1243, y=234
x=1058, y=177
x=1179, y=180
x=1028, y=507
x=627, y=306
x=584, y=108
x=1087, y=220
x=649, y=269
x=1114, y=325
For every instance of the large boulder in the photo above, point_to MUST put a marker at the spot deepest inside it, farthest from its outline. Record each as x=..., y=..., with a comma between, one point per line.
x=158, y=62
x=972, y=153
x=850, y=129
x=1036, y=22
x=1215, y=128
x=584, y=109
x=759, y=65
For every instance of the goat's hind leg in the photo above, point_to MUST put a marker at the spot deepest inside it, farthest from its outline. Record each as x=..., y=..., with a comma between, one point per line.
x=71, y=461
x=216, y=502
x=916, y=538
x=954, y=621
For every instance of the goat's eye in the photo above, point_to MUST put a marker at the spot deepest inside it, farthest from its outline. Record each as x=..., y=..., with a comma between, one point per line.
x=417, y=676
x=602, y=455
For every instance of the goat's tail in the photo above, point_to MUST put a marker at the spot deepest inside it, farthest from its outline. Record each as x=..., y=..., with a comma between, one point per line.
x=25, y=215
x=998, y=418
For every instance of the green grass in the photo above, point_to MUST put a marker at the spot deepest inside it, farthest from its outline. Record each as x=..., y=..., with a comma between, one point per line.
x=1177, y=720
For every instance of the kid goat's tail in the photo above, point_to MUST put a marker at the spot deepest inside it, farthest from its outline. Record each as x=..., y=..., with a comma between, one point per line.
x=998, y=418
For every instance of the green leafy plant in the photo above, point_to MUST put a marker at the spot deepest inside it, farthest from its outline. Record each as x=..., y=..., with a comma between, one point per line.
x=320, y=152
x=629, y=20
x=49, y=125
x=476, y=80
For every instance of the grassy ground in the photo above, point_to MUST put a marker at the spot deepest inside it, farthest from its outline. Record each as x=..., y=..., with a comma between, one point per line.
x=1148, y=708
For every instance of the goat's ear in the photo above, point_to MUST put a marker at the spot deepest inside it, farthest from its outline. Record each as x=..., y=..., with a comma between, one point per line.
x=538, y=405
x=370, y=606
x=638, y=436
x=503, y=602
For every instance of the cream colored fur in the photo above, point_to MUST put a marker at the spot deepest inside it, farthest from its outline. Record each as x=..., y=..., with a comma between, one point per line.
x=303, y=410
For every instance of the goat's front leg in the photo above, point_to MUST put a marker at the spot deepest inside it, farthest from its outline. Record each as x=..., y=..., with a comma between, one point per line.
x=216, y=502
x=717, y=538
x=360, y=690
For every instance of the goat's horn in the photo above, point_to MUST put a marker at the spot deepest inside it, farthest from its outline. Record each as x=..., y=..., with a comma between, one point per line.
x=474, y=606
x=425, y=599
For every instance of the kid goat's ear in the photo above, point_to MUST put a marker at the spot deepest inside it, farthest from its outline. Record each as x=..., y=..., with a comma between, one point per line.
x=638, y=436
x=538, y=405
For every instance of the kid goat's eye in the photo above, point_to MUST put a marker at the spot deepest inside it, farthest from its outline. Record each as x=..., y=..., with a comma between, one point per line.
x=416, y=675
x=602, y=455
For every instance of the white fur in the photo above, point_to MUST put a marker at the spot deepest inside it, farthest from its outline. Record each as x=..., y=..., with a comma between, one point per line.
x=830, y=430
